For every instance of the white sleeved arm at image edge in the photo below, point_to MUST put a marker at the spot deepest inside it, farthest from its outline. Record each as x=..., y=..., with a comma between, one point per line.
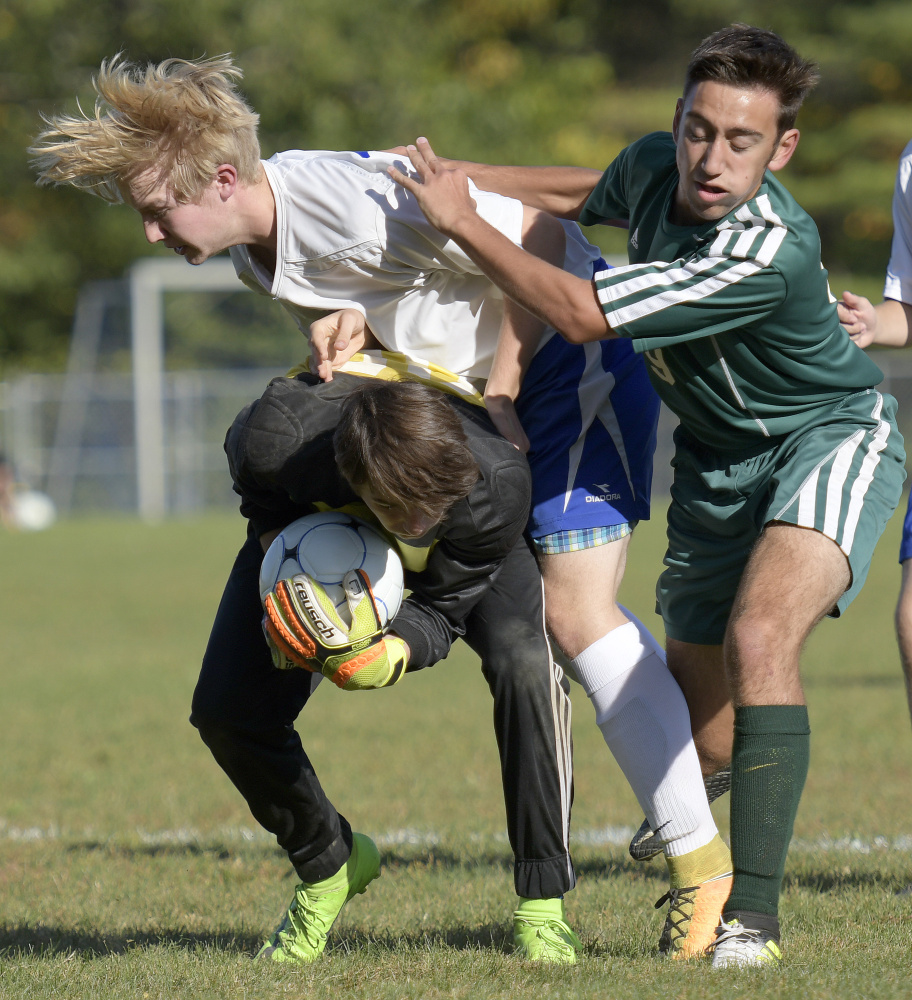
x=899, y=271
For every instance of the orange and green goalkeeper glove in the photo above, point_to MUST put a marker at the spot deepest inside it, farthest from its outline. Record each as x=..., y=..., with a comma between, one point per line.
x=304, y=629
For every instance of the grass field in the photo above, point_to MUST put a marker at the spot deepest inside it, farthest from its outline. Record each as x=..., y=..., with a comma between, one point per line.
x=129, y=866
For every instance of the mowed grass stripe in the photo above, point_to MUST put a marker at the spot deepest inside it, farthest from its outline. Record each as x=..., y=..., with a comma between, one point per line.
x=618, y=836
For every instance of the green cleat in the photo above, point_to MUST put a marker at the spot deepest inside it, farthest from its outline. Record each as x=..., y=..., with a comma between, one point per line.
x=541, y=934
x=301, y=937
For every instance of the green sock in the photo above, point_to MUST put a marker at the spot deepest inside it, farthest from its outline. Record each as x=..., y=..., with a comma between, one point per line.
x=770, y=759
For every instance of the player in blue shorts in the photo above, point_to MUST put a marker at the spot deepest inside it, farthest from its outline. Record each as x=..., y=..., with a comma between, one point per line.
x=598, y=481
x=351, y=256
x=889, y=324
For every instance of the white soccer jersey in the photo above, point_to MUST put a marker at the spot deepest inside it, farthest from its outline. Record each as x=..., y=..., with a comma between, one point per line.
x=899, y=271
x=348, y=236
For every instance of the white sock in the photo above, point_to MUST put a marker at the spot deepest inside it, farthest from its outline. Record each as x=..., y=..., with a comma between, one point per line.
x=643, y=716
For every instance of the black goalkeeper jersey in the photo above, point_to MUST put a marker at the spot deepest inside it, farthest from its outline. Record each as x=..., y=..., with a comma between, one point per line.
x=281, y=458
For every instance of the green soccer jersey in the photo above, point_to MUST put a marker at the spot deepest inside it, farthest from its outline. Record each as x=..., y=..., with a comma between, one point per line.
x=735, y=317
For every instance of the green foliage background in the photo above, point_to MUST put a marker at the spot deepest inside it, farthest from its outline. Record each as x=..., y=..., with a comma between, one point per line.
x=528, y=81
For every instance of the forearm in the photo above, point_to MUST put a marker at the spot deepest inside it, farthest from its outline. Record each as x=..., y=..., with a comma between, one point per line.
x=563, y=301
x=408, y=652
x=428, y=635
x=561, y=191
x=520, y=332
x=894, y=324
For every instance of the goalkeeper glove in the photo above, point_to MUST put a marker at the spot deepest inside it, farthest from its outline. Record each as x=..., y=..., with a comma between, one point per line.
x=304, y=629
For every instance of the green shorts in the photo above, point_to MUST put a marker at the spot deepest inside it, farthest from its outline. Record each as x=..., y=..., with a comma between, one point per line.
x=841, y=475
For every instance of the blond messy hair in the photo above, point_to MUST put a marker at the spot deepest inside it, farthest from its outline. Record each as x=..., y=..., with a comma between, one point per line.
x=180, y=118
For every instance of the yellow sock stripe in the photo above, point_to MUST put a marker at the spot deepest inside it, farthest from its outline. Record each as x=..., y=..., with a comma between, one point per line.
x=707, y=862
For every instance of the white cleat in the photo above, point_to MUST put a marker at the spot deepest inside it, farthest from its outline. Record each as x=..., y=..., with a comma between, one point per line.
x=738, y=946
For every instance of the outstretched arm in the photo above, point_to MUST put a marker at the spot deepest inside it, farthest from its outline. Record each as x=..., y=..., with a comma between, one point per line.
x=561, y=300
x=559, y=191
x=888, y=324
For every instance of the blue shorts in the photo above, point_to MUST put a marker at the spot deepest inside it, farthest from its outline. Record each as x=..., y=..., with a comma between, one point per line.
x=590, y=413
x=905, y=546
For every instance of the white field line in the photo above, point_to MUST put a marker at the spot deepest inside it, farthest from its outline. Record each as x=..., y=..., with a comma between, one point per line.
x=611, y=836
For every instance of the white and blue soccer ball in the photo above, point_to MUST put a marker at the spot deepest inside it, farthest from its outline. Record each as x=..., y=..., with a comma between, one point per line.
x=326, y=546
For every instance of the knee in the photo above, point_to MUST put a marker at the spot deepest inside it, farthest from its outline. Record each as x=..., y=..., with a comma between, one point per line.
x=228, y=743
x=209, y=714
x=210, y=726
x=903, y=614
x=520, y=667
x=574, y=626
x=752, y=639
x=218, y=739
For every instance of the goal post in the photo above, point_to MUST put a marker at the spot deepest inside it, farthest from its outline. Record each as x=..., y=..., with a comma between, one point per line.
x=149, y=279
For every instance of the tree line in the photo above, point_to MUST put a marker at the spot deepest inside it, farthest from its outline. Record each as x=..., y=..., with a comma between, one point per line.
x=507, y=81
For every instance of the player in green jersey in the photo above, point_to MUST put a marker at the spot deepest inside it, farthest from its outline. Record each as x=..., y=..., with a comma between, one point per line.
x=788, y=462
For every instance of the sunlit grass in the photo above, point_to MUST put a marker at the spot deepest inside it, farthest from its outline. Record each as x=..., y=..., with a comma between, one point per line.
x=129, y=866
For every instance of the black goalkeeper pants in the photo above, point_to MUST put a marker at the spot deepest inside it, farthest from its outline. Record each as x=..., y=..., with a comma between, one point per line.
x=245, y=711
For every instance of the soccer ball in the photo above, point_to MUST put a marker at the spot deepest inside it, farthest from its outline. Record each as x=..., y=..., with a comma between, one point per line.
x=33, y=511
x=326, y=546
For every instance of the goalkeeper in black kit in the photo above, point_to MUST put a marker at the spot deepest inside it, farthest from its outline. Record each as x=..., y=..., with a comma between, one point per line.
x=454, y=495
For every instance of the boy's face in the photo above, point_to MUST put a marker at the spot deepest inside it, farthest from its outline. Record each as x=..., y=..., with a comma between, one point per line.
x=726, y=138
x=396, y=519
x=195, y=230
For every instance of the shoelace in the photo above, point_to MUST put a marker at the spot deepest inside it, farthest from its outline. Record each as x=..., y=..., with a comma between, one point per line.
x=551, y=928
x=559, y=933
x=729, y=931
x=678, y=918
x=674, y=896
